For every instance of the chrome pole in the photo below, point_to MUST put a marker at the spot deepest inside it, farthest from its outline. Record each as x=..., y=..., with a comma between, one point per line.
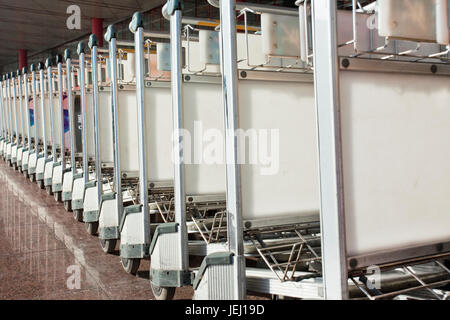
x=61, y=108
x=71, y=112
x=35, y=107
x=326, y=85
x=19, y=84
x=44, y=120
x=48, y=65
x=11, y=129
x=111, y=36
x=231, y=109
x=93, y=45
x=25, y=81
x=138, y=31
x=177, y=111
x=82, y=70
x=2, y=82
x=15, y=107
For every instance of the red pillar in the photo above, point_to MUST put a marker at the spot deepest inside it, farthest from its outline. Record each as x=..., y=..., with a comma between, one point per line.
x=23, y=61
x=97, y=29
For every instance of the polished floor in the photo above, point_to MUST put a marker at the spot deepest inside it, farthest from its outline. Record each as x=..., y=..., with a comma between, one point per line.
x=46, y=254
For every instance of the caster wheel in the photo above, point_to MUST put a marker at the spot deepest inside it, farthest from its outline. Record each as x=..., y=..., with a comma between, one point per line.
x=163, y=293
x=91, y=227
x=108, y=245
x=15, y=167
x=130, y=265
x=26, y=175
x=49, y=190
x=78, y=215
x=32, y=177
x=68, y=205
x=20, y=170
x=9, y=163
x=40, y=184
x=57, y=196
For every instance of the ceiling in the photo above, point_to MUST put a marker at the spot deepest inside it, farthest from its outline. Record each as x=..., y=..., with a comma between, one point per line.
x=37, y=25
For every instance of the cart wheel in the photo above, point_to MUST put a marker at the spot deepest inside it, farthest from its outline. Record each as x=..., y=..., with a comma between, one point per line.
x=163, y=293
x=91, y=227
x=40, y=184
x=130, y=265
x=68, y=205
x=20, y=169
x=108, y=245
x=57, y=196
x=26, y=175
x=9, y=163
x=15, y=167
x=49, y=190
x=78, y=215
x=32, y=177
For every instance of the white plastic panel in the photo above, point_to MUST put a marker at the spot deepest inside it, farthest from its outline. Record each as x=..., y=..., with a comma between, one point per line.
x=163, y=56
x=128, y=131
x=419, y=20
x=158, y=122
x=209, y=47
x=396, y=160
x=203, y=110
x=280, y=35
x=287, y=184
x=105, y=126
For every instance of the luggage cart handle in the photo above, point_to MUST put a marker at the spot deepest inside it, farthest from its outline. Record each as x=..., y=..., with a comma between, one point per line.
x=110, y=33
x=93, y=41
x=136, y=22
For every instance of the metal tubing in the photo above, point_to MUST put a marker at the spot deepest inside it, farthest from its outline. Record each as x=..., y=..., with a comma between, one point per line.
x=177, y=110
x=143, y=179
x=82, y=75
x=35, y=107
x=41, y=82
x=52, y=119
x=11, y=133
x=114, y=107
x=61, y=117
x=326, y=77
x=230, y=101
x=25, y=81
x=71, y=119
x=15, y=110
x=98, y=169
x=19, y=84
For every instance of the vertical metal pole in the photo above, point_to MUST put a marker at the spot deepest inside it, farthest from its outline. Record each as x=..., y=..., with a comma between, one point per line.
x=19, y=84
x=36, y=108
x=15, y=108
x=50, y=101
x=143, y=179
x=44, y=120
x=81, y=75
x=326, y=77
x=70, y=106
x=61, y=108
x=111, y=38
x=98, y=169
x=231, y=109
x=177, y=111
x=11, y=129
x=2, y=81
x=27, y=111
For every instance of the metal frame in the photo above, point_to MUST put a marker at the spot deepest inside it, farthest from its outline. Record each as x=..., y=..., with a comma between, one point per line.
x=326, y=75
x=61, y=118
x=230, y=100
x=71, y=112
x=82, y=80
x=50, y=100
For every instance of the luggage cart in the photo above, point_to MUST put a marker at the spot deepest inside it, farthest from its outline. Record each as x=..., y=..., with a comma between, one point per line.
x=3, y=129
x=124, y=133
x=102, y=143
x=15, y=111
x=11, y=135
x=26, y=106
x=20, y=120
x=81, y=180
x=343, y=136
x=40, y=144
x=198, y=222
x=73, y=100
x=55, y=126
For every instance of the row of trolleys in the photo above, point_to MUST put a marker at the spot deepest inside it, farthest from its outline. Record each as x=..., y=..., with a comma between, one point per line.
x=131, y=139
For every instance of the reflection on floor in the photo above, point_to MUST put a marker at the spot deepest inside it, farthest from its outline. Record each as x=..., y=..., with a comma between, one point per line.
x=46, y=254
